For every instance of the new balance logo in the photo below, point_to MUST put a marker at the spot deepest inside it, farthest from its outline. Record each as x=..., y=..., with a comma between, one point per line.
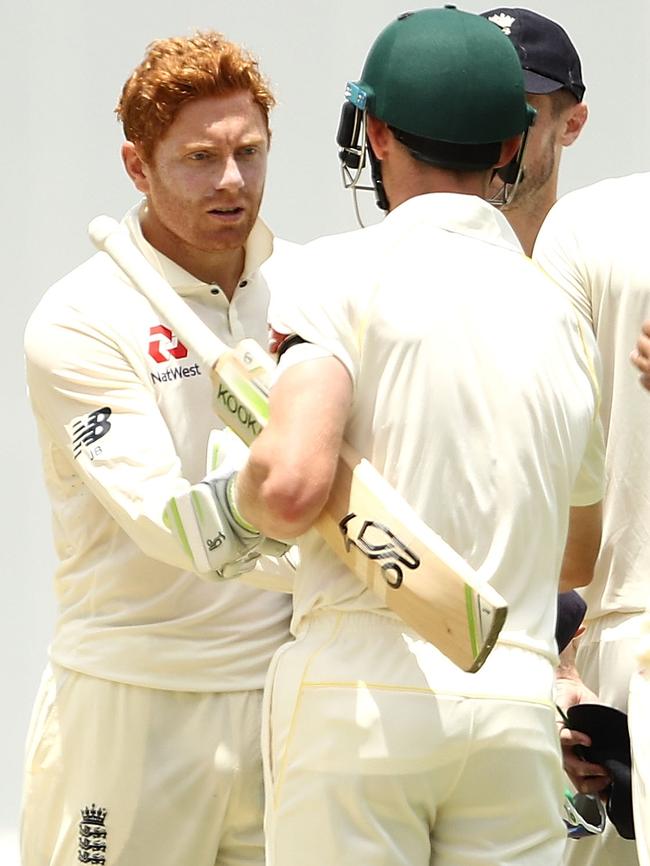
x=87, y=429
x=165, y=345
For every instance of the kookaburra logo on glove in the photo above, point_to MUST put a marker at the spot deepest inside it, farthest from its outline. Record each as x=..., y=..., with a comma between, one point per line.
x=205, y=520
x=214, y=543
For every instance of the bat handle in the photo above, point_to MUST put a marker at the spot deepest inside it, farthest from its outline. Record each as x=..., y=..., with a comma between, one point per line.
x=112, y=237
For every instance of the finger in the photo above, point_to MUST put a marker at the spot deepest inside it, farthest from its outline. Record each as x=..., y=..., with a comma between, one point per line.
x=639, y=360
x=584, y=769
x=591, y=785
x=643, y=347
x=570, y=738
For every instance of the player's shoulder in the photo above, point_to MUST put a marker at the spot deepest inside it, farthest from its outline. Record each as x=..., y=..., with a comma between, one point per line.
x=319, y=278
x=282, y=262
x=343, y=245
x=527, y=277
x=592, y=202
x=87, y=296
x=343, y=260
x=320, y=248
x=284, y=249
x=320, y=266
x=584, y=225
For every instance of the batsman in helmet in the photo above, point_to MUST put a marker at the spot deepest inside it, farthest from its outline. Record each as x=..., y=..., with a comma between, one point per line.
x=436, y=349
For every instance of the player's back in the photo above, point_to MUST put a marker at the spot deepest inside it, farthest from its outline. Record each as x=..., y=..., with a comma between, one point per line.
x=474, y=397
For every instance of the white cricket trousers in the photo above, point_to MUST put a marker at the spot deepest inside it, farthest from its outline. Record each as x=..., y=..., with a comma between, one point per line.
x=375, y=755
x=606, y=660
x=639, y=723
x=121, y=775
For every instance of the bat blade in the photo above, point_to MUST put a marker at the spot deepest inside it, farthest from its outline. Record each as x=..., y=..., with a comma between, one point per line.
x=366, y=523
x=242, y=381
x=382, y=540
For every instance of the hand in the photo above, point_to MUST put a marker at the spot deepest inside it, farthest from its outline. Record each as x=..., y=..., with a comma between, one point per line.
x=570, y=690
x=205, y=519
x=640, y=356
x=586, y=777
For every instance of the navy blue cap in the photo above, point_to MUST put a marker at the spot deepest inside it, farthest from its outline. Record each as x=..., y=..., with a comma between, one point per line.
x=571, y=610
x=547, y=55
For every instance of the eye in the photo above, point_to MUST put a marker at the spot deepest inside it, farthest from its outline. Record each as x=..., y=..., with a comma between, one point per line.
x=249, y=150
x=198, y=155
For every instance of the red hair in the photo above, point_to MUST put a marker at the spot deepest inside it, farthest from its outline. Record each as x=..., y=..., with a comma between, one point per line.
x=177, y=70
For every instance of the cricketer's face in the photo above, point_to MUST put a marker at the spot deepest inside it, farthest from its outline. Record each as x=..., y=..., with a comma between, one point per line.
x=205, y=180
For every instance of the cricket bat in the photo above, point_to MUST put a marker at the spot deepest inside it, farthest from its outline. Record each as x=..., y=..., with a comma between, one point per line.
x=366, y=523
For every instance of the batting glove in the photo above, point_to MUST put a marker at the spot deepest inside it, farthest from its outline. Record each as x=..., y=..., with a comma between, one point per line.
x=205, y=519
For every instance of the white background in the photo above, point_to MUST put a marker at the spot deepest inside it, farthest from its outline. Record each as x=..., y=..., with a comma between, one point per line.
x=63, y=64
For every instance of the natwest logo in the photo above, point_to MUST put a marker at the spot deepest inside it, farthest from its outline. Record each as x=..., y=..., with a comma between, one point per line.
x=164, y=345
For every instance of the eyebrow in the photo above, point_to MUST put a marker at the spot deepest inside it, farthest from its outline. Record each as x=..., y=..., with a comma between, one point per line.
x=248, y=141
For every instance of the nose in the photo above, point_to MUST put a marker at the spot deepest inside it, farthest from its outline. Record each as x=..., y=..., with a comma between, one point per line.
x=229, y=176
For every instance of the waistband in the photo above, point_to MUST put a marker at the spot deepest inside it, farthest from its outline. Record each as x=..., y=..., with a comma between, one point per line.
x=509, y=673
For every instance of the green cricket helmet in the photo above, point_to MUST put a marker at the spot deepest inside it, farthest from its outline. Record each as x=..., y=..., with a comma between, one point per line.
x=448, y=83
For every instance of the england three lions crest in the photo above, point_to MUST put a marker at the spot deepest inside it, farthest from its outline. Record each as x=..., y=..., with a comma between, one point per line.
x=93, y=835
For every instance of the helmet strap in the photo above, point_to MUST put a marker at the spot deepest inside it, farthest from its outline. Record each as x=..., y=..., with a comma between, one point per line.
x=511, y=175
x=381, y=199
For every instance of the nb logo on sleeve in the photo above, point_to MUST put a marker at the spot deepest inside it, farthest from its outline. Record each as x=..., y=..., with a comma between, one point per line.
x=88, y=429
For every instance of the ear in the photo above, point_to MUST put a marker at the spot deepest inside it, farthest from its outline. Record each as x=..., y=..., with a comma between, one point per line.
x=509, y=149
x=379, y=136
x=574, y=120
x=135, y=166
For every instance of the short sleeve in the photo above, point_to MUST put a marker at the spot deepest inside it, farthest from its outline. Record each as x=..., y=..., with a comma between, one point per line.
x=558, y=252
x=322, y=299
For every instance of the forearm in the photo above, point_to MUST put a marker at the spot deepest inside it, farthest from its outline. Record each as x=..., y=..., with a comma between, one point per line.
x=569, y=687
x=582, y=545
x=287, y=481
x=105, y=438
x=274, y=497
x=587, y=777
x=566, y=669
x=119, y=490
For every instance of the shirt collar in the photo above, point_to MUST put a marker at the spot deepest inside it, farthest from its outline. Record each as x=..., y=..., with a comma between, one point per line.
x=259, y=247
x=468, y=215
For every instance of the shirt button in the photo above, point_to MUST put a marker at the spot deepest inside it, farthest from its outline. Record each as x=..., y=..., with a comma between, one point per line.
x=214, y=291
x=243, y=284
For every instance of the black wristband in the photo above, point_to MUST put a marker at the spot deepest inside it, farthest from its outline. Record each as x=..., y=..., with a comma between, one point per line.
x=293, y=340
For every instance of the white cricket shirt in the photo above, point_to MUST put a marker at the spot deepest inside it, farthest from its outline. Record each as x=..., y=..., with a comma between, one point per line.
x=124, y=411
x=474, y=395
x=594, y=244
